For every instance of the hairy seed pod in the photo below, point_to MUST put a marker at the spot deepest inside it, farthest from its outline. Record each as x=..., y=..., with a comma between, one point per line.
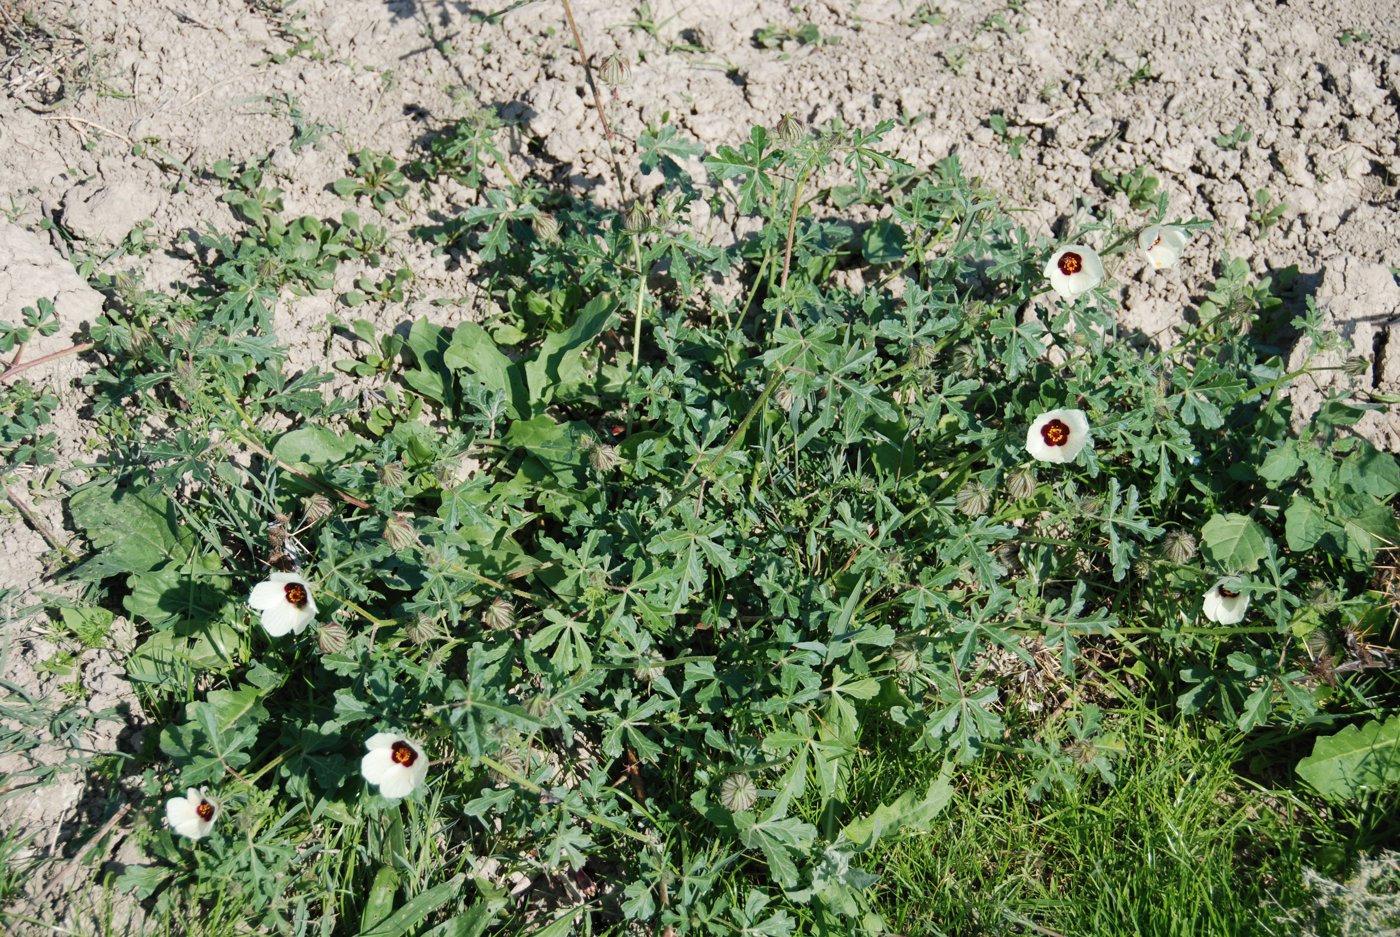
x=784, y=397
x=790, y=131
x=315, y=509
x=332, y=638
x=1020, y=484
x=973, y=499
x=921, y=355
x=499, y=615
x=513, y=760
x=906, y=658
x=964, y=360
x=1356, y=366
x=603, y=458
x=538, y=706
x=392, y=474
x=1179, y=547
x=738, y=792
x=546, y=228
x=638, y=219
x=399, y=532
x=614, y=71
x=423, y=630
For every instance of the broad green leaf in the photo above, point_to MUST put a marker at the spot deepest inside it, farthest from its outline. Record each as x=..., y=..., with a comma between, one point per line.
x=1233, y=542
x=1357, y=760
x=560, y=361
x=470, y=923
x=379, y=903
x=1374, y=472
x=910, y=812
x=1305, y=524
x=176, y=595
x=473, y=350
x=132, y=530
x=1281, y=464
x=313, y=445
x=884, y=242
x=430, y=375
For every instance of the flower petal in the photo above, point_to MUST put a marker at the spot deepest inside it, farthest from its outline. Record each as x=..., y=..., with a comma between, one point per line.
x=266, y=595
x=382, y=740
x=378, y=765
x=180, y=810
x=399, y=783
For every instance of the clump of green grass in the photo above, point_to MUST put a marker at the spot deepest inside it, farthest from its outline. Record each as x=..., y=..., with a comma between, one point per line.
x=1182, y=844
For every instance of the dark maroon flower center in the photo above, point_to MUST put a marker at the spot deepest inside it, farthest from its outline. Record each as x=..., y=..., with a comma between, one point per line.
x=1055, y=433
x=1226, y=593
x=403, y=754
x=205, y=810
x=296, y=594
x=1070, y=263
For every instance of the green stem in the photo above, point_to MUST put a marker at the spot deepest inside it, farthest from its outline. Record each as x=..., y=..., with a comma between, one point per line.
x=641, y=297
x=369, y=617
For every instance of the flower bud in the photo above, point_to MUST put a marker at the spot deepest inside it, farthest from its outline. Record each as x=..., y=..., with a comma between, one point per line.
x=738, y=792
x=614, y=71
x=1356, y=366
x=921, y=355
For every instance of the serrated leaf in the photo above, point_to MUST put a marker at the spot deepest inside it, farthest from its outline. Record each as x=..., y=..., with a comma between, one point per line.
x=1280, y=464
x=1233, y=542
x=1356, y=760
x=1305, y=524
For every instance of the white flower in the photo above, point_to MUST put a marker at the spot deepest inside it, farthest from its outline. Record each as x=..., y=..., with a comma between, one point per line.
x=1163, y=244
x=285, y=602
x=1074, y=269
x=1226, y=602
x=192, y=815
x=394, y=763
x=1058, y=435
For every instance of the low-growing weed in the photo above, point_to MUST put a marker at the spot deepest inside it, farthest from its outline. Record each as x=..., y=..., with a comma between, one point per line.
x=1139, y=185
x=1266, y=211
x=691, y=589
x=1231, y=140
x=1013, y=141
